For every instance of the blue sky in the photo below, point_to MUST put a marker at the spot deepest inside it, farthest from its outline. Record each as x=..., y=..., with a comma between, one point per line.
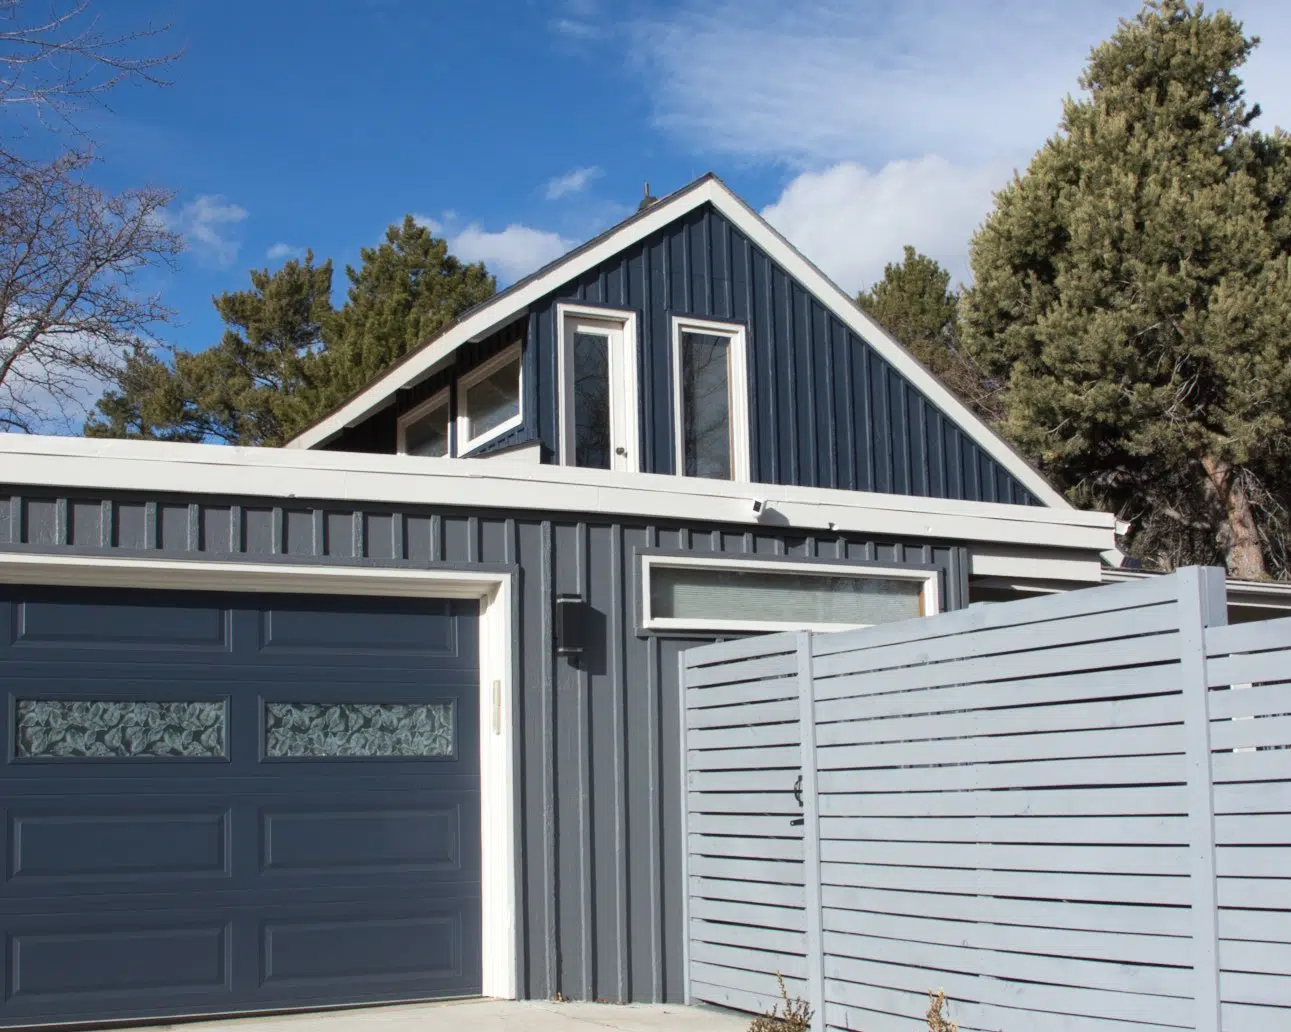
x=522, y=127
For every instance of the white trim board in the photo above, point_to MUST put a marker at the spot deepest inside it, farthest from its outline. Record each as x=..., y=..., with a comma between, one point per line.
x=707, y=190
x=495, y=593
x=208, y=469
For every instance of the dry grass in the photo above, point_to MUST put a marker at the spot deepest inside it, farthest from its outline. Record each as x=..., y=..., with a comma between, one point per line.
x=788, y=1016
x=937, y=1020
x=795, y=1015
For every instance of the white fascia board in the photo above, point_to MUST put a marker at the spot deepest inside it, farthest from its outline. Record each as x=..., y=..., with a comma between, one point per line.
x=761, y=233
x=492, y=315
x=207, y=469
x=1046, y=564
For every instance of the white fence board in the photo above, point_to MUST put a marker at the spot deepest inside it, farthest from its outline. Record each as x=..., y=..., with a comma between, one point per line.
x=1026, y=718
x=743, y=714
x=1093, y=888
x=1164, y=860
x=1100, y=944
x=1097, y=801
x=1053, y=808
x=1058, y=688
x=1097, y=1003
x=1127, y=652
x=1098, y=628
x=1048, y=746
x=971, y=959
x=1126, y=770
x=1152, y=831
x=1159, y=922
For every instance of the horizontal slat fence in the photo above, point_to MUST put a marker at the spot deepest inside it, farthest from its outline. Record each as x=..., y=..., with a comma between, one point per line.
x=744, y=863
x=1070, y=813
x=1248, y=668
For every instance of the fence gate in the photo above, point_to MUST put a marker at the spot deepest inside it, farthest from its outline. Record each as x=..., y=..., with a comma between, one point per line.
x=1071, y=813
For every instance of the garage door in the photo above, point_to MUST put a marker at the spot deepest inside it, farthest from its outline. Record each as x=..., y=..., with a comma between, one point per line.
x=220, y=803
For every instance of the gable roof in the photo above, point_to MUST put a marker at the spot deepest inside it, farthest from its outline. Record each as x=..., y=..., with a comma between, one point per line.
x=508, y=304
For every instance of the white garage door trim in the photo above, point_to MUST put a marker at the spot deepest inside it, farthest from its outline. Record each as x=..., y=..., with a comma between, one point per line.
x=494, y=591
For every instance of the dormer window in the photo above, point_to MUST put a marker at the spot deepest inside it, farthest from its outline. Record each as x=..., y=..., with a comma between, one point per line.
x=597, y=349
x=424, y=430
x=489, y=400
x=710, y=399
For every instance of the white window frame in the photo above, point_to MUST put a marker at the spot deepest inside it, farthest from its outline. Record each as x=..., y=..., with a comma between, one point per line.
x=512, y=353
x=649, y=563
x=738, y=384
x=623, y=371
x=437, y=400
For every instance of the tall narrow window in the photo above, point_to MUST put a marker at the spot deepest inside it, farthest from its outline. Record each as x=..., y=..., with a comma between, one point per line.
x=424, y=430
x=598, y=396
x=592, y=400
x=710, y=400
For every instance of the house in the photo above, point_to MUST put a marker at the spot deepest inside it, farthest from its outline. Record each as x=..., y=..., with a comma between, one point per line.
x=393, y=712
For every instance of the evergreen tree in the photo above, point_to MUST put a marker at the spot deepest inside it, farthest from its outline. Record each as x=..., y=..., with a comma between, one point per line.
x=257, y=386
x=1134, y=290
x=405, y=292
x=287, y=357
x=915, y=303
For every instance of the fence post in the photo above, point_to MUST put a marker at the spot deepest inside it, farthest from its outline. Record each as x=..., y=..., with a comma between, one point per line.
x=811, y=836
x=1202, y=603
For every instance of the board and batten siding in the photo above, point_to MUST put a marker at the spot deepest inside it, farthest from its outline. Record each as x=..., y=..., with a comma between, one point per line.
x=826, y=410
x=598, y=765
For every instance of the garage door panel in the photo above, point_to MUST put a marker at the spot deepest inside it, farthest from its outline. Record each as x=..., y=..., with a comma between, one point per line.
x=253, y=802
x=150, y=843
x=60, y=847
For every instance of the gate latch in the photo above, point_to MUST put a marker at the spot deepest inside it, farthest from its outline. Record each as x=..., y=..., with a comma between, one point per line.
x=797, y=794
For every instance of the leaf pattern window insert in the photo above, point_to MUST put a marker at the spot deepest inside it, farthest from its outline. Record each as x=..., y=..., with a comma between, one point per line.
x=360, y=729
x=119, y=729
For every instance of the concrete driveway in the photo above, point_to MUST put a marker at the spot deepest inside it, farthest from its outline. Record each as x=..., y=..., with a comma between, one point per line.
x=486, y=1016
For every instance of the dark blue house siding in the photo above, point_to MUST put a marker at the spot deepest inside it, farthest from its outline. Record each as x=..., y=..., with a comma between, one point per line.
x=826, y=410
x=600, y=836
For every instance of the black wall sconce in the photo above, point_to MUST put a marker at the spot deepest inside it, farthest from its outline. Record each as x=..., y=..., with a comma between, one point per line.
x=571, y=625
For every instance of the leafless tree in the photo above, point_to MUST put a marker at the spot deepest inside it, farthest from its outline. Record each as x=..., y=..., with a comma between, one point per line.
x=71, y=302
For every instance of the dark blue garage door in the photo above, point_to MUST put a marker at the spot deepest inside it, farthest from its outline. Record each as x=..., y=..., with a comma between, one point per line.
x=220, y=803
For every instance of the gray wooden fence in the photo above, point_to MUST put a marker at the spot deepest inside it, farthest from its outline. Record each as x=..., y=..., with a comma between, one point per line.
x=1071, y=813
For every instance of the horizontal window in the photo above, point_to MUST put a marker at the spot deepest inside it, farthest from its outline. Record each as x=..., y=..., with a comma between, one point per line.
x=488, y=400
x=705, y=594
x=115, y=729
x=424, y=430
x=359, y=729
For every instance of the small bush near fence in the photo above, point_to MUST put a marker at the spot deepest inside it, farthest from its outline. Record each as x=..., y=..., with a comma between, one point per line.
x=795, y=1015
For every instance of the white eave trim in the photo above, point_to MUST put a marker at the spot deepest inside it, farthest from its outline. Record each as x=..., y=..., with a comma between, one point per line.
x=712, y=191
x=74, y=463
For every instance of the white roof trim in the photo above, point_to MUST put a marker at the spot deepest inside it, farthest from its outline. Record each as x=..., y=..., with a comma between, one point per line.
x=207, y=469
x=759, y=231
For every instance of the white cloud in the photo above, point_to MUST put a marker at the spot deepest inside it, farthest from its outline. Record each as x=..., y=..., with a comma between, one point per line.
x=572, y=182
x=852, y=221
x=509, y=253
x=426, y=222
x=898, y=120
x=207, y=223
x=573, y=28
x=280, y=251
